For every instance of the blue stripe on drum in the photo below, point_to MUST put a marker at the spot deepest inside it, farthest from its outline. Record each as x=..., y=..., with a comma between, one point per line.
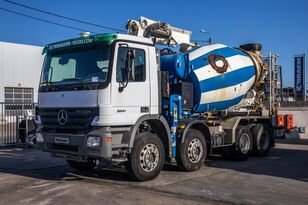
x=221, y=105
x=226, y=52
x=227, y=79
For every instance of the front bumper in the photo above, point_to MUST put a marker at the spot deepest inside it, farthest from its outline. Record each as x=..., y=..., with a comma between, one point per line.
x=73, y=146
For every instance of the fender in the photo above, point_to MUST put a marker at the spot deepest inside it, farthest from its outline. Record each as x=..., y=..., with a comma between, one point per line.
x=199, y=125
x=160, y=118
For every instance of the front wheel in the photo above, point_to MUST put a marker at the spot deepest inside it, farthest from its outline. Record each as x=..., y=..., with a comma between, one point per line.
x=147, y=157
x=191, y=154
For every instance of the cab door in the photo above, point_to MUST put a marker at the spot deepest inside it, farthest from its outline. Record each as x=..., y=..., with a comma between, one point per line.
x=131, y=97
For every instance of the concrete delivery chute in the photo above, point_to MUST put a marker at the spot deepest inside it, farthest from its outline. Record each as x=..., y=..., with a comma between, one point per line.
x=119, y=98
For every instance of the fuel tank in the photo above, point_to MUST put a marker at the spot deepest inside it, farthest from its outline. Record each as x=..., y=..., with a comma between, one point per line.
x=221, y=75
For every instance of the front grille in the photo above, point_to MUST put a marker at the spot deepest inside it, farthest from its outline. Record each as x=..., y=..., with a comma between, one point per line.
x=60, y=147
x=77, y=118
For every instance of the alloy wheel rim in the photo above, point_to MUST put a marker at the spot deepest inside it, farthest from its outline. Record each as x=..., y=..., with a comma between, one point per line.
x=244, y=143
x=149, y=157
x=195, y=150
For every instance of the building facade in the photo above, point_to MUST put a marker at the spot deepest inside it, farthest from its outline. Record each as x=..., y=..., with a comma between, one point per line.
x=20, y=68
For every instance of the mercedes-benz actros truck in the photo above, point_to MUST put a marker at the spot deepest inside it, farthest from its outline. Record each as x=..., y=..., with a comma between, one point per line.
x=151, y=97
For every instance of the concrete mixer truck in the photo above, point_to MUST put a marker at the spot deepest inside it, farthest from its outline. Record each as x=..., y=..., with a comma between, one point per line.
x=151, y=97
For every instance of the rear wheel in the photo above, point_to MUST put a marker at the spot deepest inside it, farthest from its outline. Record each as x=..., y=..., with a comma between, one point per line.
x=147, y=157
x=261, y=138
x=242, y=148
x=82, y=166
x=191, y=154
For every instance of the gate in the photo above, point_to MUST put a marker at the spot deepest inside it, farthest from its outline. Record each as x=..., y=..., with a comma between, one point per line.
x=11, y=116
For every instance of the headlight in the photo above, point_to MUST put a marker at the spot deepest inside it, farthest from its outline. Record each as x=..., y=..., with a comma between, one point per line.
x=39, y=137
x=93, y=141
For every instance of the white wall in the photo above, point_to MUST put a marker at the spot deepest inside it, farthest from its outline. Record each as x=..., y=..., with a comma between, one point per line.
x=20, y=66
x=300, y=118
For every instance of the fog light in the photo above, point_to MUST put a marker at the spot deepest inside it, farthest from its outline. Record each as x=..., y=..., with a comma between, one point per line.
x=93, y=141
x=39, y=138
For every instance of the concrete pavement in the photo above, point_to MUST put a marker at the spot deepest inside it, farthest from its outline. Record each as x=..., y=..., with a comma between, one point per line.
x=32, y=177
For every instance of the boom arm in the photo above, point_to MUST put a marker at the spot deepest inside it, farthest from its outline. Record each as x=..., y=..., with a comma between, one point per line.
x=161, y=33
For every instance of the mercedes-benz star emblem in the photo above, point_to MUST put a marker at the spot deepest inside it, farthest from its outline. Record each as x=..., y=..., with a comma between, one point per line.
x=62, y=117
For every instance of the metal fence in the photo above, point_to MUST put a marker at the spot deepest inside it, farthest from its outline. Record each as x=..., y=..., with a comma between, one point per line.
x=11, y=114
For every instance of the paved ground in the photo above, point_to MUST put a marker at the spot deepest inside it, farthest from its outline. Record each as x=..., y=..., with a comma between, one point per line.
x=32, y=177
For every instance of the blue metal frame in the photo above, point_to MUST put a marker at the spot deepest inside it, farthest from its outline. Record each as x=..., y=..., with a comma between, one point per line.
x=175, y=113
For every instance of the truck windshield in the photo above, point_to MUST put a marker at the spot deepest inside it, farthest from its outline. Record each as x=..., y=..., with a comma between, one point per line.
x=76, y=67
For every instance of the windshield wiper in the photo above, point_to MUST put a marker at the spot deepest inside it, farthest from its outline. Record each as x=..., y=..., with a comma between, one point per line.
x=79, y=80
x=81, y=84
x=73, y=79
x=75, y=86
x=46, y=83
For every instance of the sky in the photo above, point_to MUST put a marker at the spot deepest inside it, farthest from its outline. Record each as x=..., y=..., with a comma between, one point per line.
x=280, y=26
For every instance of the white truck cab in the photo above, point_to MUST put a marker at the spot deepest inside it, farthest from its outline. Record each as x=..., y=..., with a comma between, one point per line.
x=139, y=97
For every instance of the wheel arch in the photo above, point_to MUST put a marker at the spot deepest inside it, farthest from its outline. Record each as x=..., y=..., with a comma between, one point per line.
x=202, y=127
x=250, y=121
x=161, y=128
x=266, y=122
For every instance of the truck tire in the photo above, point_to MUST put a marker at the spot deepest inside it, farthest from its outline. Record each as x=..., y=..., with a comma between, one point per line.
x=192, y=152
x=147, y=157
x=226, y=153
x=81, y=166
x=261, y=140
x=242, y=148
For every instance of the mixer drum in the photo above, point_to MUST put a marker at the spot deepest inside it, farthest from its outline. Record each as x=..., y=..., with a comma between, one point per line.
x=221, y=76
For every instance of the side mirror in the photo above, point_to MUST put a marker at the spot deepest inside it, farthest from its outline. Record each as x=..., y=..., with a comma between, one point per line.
x=130, y=55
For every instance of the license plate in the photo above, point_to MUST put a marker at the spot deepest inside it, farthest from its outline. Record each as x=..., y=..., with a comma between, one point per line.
x=62, y=140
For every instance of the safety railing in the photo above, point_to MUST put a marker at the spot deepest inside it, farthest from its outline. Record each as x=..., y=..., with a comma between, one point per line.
x=14, y=122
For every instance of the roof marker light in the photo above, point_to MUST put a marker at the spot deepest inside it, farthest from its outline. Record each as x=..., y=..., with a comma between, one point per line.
x=85, y=34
